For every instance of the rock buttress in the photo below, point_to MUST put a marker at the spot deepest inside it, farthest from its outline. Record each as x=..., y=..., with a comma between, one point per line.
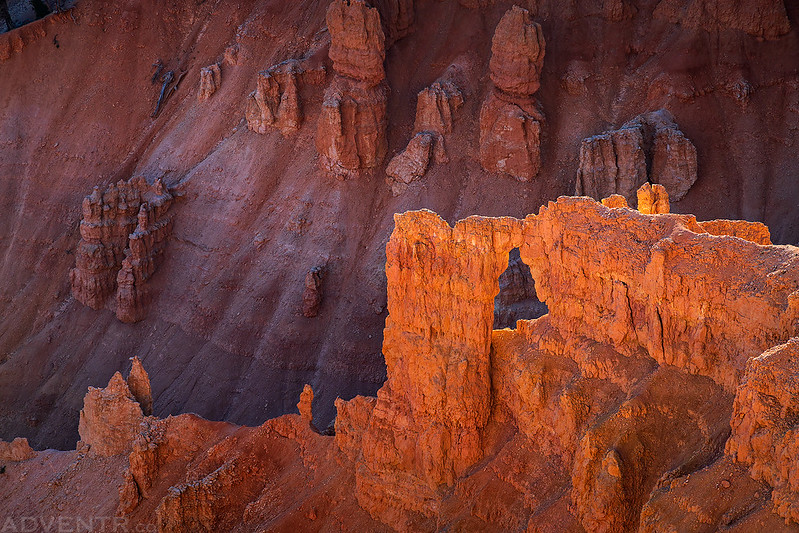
x=424, y=430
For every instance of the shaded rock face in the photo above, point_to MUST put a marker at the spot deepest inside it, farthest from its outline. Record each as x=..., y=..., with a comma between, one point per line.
x=210, y=81
x=765, y=424
x=397, y=16
x=761, y=18
x=435, y=106
x=510, y=120
x=648, y=148
x=312, y=295
x=351, y=132
x=276, y=100
x=123, y=234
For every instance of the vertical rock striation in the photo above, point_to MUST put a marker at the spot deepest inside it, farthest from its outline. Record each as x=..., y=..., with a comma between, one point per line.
x=510, y=119
x=765, y=424
x=276, y=100
x=435, y=106
x=351, y=134
x=210, y=81
x=123, y=235
x=648, y=148
x=425, y=428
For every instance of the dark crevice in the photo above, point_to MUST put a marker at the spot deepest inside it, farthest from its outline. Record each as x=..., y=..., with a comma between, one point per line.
x=517, y=299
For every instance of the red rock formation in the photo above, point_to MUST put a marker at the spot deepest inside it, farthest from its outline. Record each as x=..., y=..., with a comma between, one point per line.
x=210, y=81
x=517, y=54
x=761, y=18
x=610, y=413
x=276, y=99
x=108, y=219
x=765, y=424
x=410, y=164
x=434, y=108
x=357, y=42
x=306, y=403
x=424, y=430
x=312, y=296
x=110, y=418
x=144, y=253
x=616, y=162
x=351, y=133
x=756, y=232
x=123, y=234
x=139, y=384
x=16, y=450
x=510, y=121
x=653, y=199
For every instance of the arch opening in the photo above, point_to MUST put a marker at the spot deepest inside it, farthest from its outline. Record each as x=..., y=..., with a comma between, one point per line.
x=517, y=299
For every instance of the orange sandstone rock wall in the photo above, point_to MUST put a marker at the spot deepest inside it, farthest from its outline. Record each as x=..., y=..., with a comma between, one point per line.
x=611, y=413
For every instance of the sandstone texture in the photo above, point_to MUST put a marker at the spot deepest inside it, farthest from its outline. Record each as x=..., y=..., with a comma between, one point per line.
x=648, y=148
x=210, y=81
x=224, y=337
x=123, y=234
x=510, y=120
x=765, y=425
x=435, y=106
x=276, y=101
x=351, y=132
x=628, y=406
x=110, y=418
x=16, y=450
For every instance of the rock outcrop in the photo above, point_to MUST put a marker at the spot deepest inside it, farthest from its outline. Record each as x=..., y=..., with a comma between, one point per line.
x=210, y=81
x=435, y=106
x=312, y=295
x=351, y=134
x=648, y=148
x=110, y=418
x=765, y=424
x=139, y=385
x=653, y=199
x=305, y=404
x=276, y=100
x=123, y=235
x=663, y=341
x=761, y=18
x=16, y=450
x=510, y=118
x=604, y=273
x=424, y=430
